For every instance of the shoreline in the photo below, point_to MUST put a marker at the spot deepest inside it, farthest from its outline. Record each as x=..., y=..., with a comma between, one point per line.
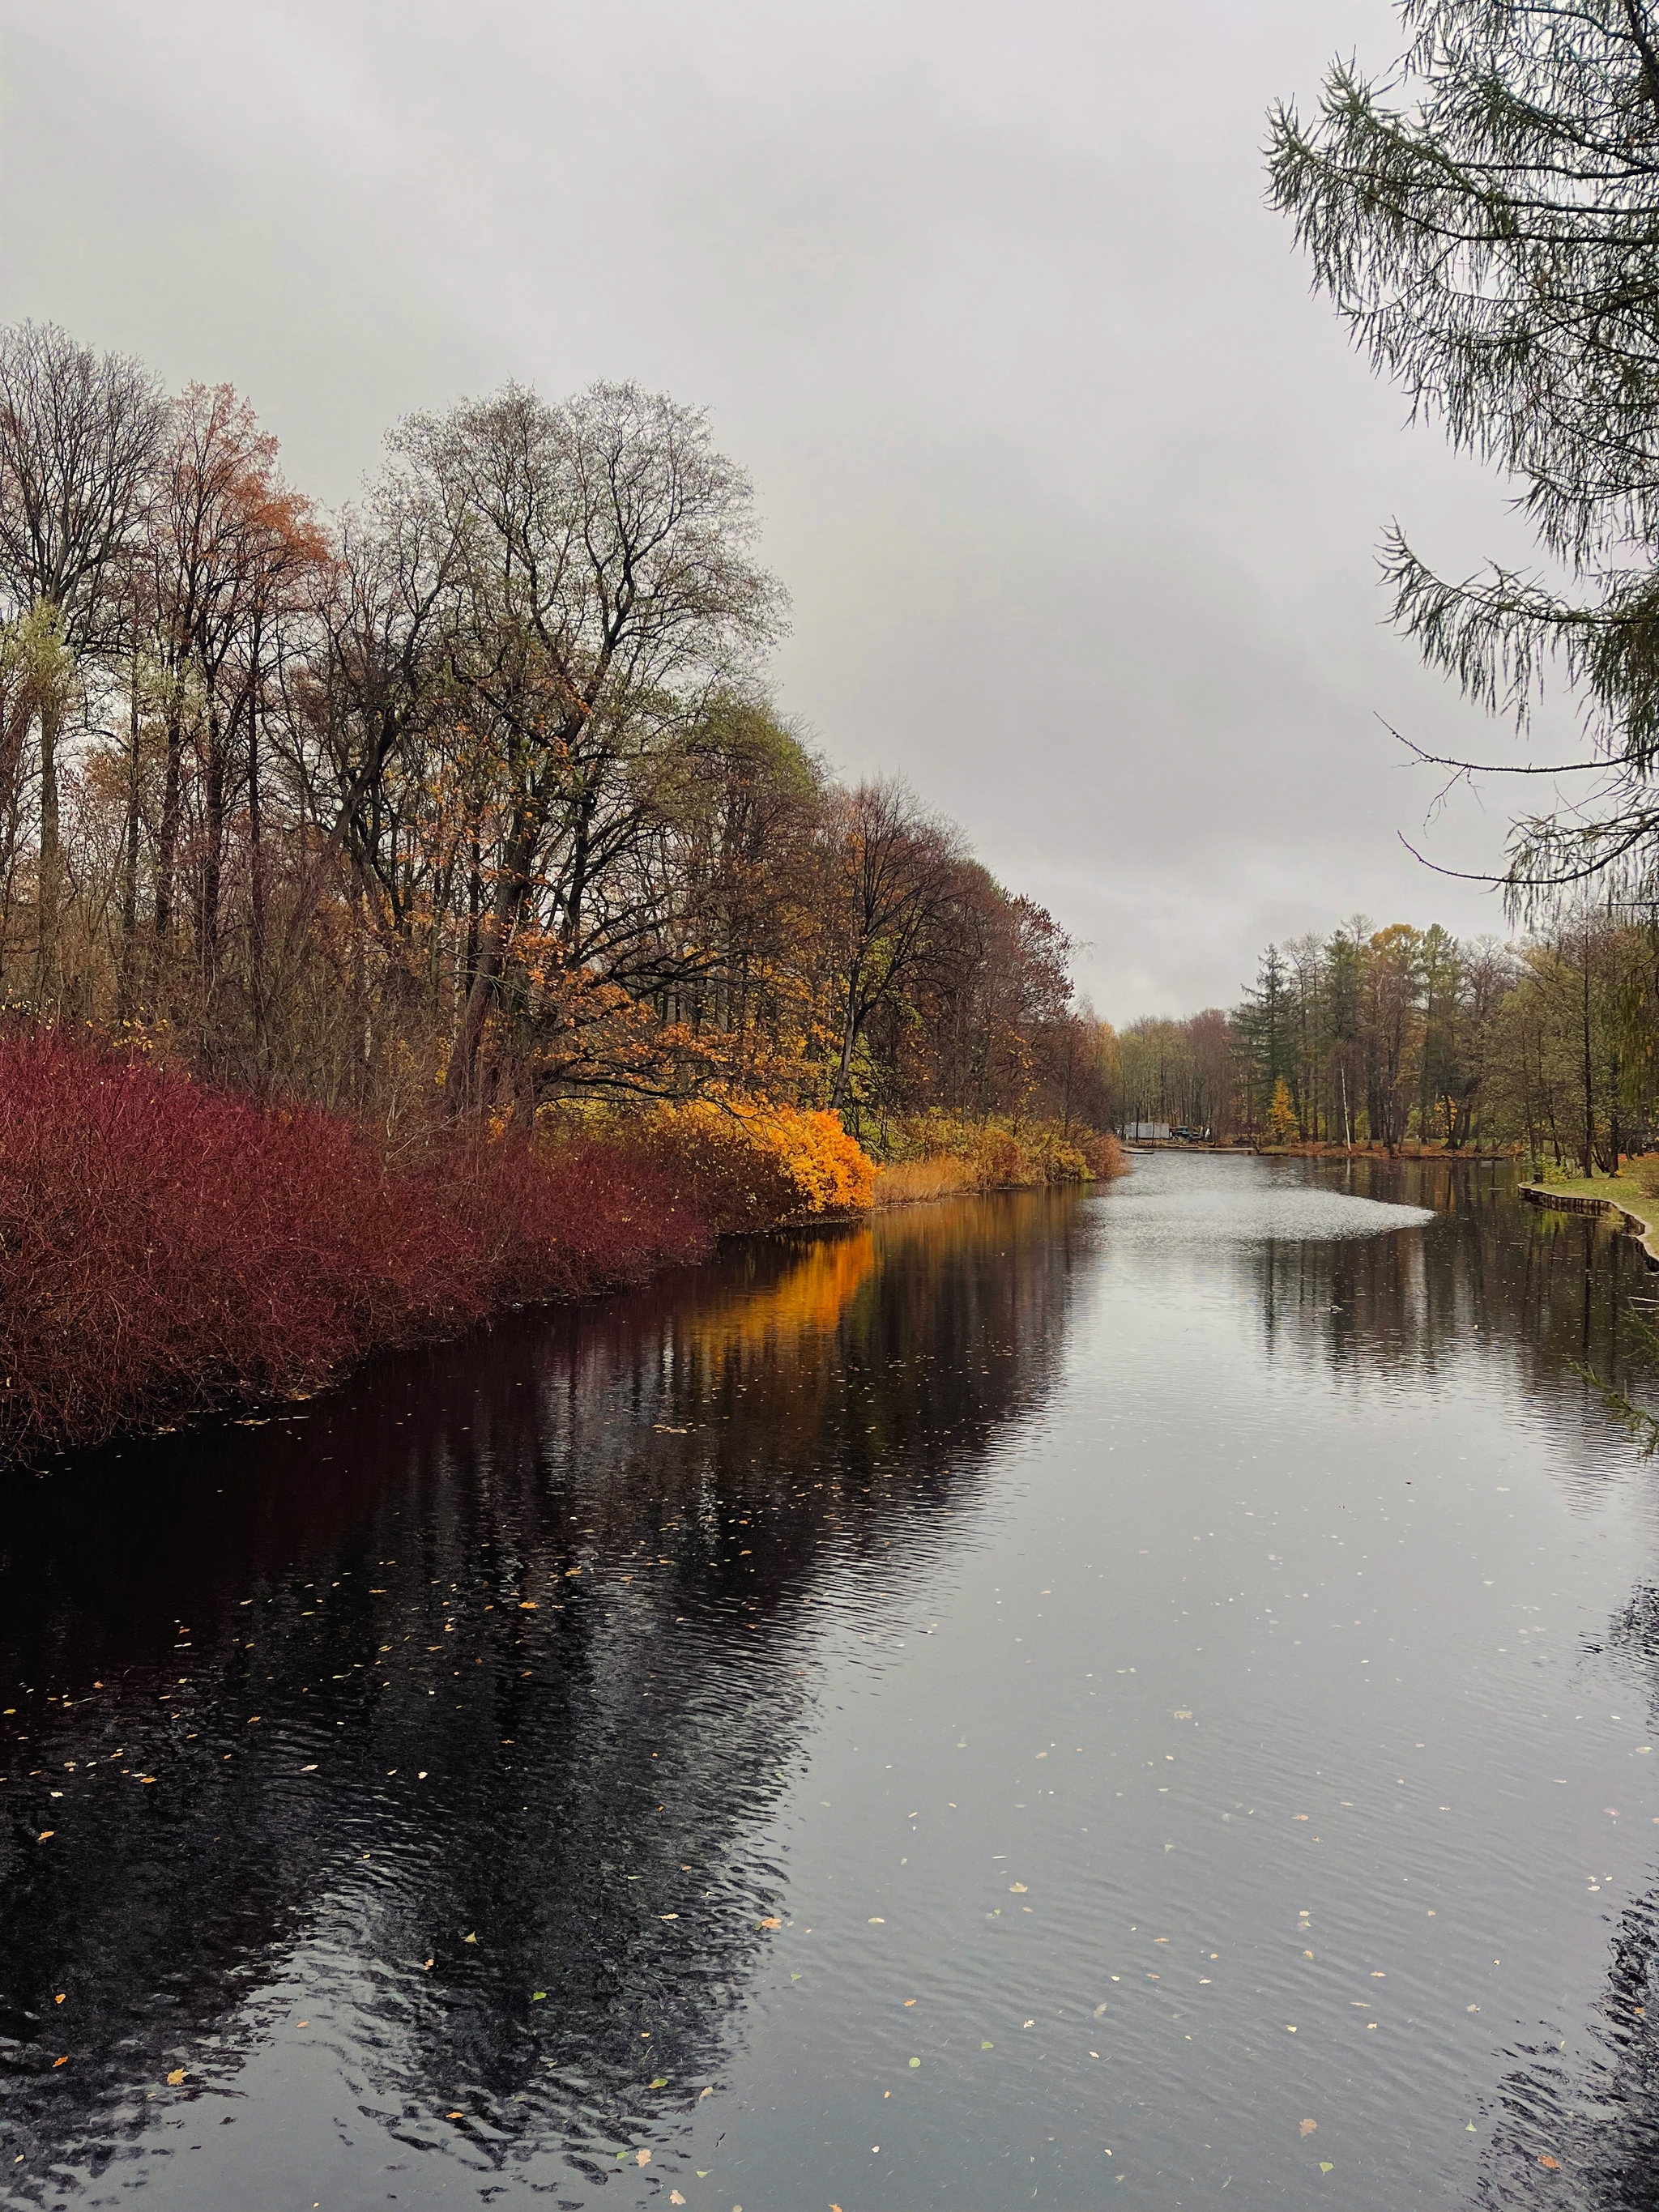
x=1466, y=1156
x=1551, y=1198
x=171, y=1249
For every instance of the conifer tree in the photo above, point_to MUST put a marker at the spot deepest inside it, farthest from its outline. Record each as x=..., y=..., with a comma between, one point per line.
x=1485, y=218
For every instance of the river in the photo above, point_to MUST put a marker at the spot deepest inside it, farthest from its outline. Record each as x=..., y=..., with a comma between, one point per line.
x=1135, y=1698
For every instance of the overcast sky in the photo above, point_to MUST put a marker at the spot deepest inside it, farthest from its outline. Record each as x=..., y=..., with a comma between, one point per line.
x=1076, y=490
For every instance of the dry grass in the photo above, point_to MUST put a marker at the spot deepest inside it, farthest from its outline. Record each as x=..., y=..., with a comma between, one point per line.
x=902, y=1182
x=988, y=1157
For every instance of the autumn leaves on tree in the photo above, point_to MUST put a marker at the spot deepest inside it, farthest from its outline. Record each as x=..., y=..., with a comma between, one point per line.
x=472, y=799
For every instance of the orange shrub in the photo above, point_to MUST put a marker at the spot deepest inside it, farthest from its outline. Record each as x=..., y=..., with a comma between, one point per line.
x=750, y=1166
x=1106, y=1158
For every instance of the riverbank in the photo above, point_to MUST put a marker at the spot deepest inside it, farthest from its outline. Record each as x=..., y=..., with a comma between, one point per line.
x=1249, y=1148
x=933, y=1156
x=1637, y=1210
x=168, y=1246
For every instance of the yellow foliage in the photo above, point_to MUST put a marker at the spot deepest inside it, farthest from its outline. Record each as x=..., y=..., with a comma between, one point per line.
x=1281, y=1115
x=760, y=1164
x=832, y=1171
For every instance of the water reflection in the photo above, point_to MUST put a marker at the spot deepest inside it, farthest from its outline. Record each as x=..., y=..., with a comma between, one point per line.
x=1551, y=1294
x=433, y=1756
x=444, y=1712
x=1585, y=2127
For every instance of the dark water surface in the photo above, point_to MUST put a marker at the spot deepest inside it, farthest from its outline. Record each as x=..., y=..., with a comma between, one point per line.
x=1033, y=1704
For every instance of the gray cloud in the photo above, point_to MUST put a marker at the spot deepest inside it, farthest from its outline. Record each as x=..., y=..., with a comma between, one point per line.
x=1076, y=490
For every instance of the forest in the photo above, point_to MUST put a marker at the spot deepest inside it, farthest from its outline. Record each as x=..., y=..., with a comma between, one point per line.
x=423, y=909
x=474, y=793
x=1401, y=1036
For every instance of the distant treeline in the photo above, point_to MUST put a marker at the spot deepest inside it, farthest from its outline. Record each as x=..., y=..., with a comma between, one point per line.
x=471, y=799
x=1397, y=1034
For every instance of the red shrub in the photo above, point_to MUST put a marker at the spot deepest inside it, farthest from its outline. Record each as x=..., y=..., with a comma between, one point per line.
x=164, y=1245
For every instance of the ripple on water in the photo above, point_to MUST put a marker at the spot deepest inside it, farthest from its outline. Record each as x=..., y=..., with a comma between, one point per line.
x=1206, y=1199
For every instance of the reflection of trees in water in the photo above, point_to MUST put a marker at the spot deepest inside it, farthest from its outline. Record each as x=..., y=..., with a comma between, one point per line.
x=1548, y=1294
x=1597, y=2117
x=1544, y=1296
x=673, y=1482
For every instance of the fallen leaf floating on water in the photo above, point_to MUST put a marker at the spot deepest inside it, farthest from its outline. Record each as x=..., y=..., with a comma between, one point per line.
x=771, y=1922
x=63, y=2061
x=312, y=1768
x=1308, y=2127
x=1325, y=2166
x=674, y=2196
x=62, y=1997
x=528, y=1605
x=469, y=1939
x=454, y=2116
x=175, y=2077
x=661, y=2081
x=1017, y=1889
x=44, y=1834
x=642, y=2158
x=1553, y=2164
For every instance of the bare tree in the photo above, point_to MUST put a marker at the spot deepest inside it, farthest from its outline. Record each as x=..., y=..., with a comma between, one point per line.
x=606, y=592
x=78, y=434
x=894, y=877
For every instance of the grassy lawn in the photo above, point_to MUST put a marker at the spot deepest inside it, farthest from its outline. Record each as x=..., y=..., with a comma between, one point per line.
x=1621, y=1189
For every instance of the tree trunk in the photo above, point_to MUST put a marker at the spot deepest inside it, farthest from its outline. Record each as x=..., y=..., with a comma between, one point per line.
x=52, y=850
x=1590, y=1092
x=213, y=860
x=256, y=862
x=490, y=960
x=126, y=986
x=167, y=847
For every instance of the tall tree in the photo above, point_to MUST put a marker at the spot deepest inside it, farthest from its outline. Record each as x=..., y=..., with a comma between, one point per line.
x=604, y=591
x=79, y=431
x=891, y=875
